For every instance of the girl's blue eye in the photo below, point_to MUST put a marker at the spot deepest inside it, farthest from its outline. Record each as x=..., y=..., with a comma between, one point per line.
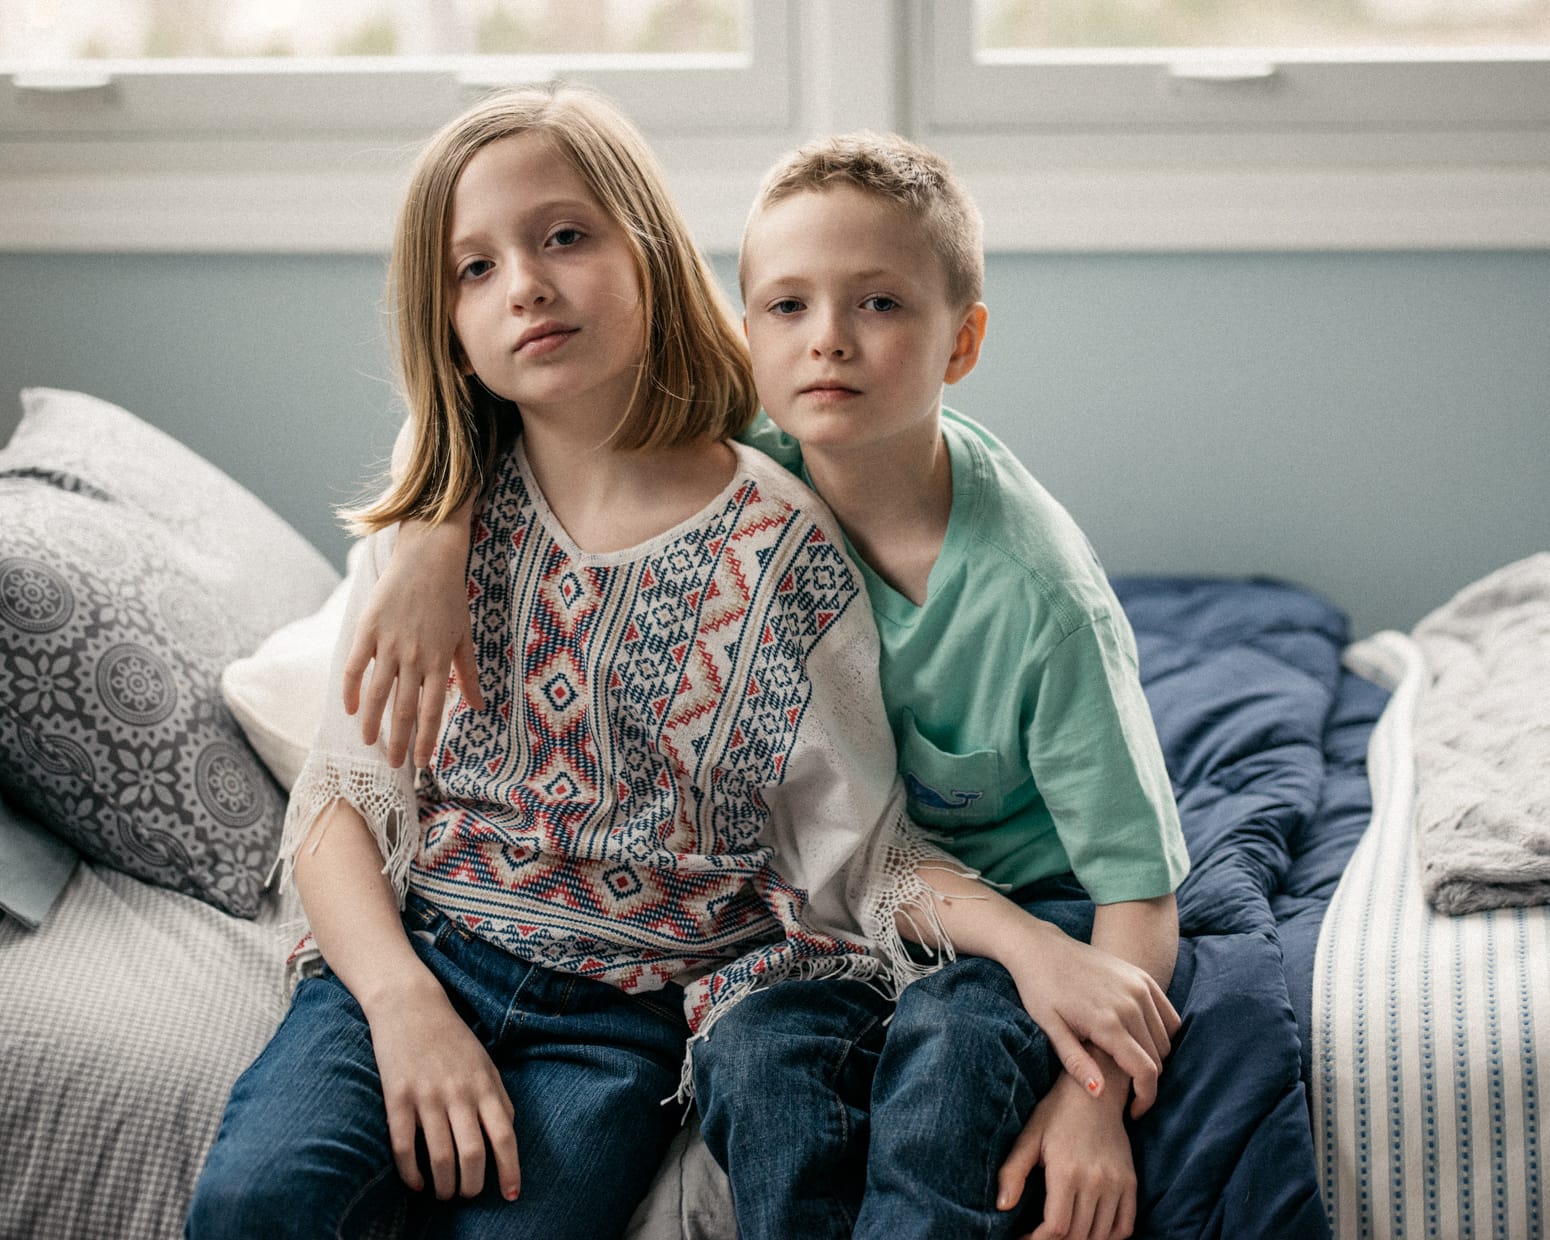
x=565, y=236
x=473, y=270
x=786, y=305
x=881, y=303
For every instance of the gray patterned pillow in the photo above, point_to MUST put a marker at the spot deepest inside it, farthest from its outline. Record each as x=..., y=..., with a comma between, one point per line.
x=131, y=572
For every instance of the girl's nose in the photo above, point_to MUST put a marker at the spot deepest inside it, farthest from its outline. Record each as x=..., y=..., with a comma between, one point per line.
x=527, y=288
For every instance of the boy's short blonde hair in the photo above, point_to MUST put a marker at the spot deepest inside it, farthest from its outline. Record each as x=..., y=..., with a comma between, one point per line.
x=695, y=379
x=900, y=171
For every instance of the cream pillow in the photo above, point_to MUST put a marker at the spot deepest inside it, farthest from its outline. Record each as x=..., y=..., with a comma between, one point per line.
x=276, y=693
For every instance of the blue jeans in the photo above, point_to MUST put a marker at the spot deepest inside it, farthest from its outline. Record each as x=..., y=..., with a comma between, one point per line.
x=303, y=1146
x=828, y=1128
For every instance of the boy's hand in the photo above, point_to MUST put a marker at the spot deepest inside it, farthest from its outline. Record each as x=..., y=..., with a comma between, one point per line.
x=438, y=1079
x=1089, y=1175
x=1078, y=993
x=415, y=628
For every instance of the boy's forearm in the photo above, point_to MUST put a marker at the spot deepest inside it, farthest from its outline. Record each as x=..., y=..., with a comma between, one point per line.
x=1143, y=932
x=353, y=912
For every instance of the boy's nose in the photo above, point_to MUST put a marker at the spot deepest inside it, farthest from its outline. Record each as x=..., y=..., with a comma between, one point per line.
x=831, y=341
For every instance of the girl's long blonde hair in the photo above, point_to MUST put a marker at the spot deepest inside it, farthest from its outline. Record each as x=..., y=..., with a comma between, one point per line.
x=694, y=380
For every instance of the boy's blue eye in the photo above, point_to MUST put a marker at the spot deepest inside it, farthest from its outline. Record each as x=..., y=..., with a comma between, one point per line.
x=881, y=303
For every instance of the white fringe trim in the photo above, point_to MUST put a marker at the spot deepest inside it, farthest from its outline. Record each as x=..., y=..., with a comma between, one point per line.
x=376, y=793
x=896, y=893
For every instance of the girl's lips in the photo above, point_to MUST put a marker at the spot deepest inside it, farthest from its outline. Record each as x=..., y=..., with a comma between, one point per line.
x=548, y=342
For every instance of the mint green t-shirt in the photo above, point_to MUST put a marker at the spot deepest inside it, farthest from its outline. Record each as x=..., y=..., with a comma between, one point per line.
x=1024, y=738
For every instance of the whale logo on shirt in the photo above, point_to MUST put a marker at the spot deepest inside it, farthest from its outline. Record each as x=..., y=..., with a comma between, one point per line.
x=925, y=794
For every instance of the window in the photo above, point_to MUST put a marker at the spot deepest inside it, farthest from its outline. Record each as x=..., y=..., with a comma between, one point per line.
x=1079, y=124
x=1178, y=124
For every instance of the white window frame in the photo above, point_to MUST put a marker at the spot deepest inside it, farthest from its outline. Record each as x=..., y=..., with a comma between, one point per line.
x=1168, y=149
x=1064, y=150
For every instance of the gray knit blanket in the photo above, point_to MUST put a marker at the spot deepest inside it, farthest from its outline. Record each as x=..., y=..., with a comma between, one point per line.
x=1482, y=743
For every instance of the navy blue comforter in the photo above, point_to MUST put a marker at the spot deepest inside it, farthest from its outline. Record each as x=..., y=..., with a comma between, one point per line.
x=1265, y=739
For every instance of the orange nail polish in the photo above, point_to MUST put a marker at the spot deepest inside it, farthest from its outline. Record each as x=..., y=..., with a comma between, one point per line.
x=1093, y=1086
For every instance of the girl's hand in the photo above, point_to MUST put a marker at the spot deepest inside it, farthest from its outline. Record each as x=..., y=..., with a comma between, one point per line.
x=438, y=1079
x=1078, y=993
x=415, y=628
x=1089, y=1175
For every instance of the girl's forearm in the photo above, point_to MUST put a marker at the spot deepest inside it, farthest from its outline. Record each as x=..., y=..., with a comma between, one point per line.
x=977, y=919
x=354, y=914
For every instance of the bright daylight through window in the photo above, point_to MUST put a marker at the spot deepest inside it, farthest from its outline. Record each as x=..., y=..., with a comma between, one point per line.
x=256, y=125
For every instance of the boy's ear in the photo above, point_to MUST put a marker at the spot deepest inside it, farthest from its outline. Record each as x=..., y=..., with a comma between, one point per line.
x=966, y=345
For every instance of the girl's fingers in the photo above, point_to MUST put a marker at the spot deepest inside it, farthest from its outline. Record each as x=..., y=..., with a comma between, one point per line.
x=1079, y=1065
x=503, y=1145
x=1162, y=1019
x=401, y=1133
x=468, y=1136
x=441, y=1153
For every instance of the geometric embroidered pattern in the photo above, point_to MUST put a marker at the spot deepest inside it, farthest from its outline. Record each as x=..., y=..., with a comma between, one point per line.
x=602, y=814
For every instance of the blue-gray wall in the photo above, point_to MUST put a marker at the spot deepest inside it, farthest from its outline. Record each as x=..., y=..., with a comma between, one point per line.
x=1375, y=426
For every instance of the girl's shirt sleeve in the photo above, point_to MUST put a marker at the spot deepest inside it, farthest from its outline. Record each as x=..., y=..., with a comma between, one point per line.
x=340, y=765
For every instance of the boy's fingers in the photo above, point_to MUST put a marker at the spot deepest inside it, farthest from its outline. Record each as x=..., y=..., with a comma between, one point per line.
x=1105, y=1218
x=433, y=696
x=466, y=668
x=1125, y=1219
x=1057, y=1211
x=1019, y=1165
x=374, y=704
x=1083, y=1209
x=406, y=702
x=355, y=665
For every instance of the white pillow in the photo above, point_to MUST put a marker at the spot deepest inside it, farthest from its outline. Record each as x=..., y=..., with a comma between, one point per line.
x=276, y=693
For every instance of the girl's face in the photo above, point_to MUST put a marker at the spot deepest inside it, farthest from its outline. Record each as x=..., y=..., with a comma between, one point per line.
x=546, y=300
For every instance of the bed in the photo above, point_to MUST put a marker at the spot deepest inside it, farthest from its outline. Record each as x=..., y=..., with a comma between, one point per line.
x=159, y=970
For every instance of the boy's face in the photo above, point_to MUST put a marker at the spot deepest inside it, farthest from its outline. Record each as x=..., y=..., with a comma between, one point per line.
x=849, y=322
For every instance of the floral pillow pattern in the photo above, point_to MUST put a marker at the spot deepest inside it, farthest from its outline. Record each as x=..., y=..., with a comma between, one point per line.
x=119, y=609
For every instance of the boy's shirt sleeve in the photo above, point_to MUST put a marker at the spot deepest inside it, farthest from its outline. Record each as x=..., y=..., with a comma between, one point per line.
x=769, y=439
x=1094, y=753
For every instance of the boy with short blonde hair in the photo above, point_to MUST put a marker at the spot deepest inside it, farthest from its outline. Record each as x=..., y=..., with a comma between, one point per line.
x=1010, y=679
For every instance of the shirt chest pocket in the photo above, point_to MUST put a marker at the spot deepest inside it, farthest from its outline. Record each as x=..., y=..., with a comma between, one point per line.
x=948, y=789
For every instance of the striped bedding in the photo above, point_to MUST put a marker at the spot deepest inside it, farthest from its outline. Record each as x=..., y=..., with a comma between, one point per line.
x=1432, y=1033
